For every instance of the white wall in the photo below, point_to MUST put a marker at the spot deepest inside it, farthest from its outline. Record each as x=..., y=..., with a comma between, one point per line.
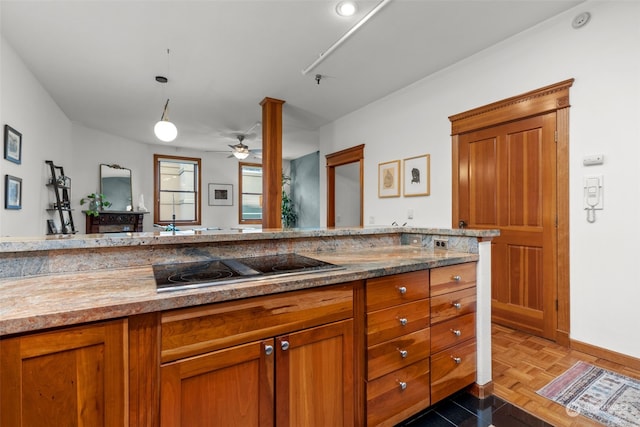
x=92, y=147
x=605, y=118
x=46, y=135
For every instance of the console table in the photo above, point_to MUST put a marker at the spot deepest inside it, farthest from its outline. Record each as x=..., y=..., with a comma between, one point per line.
x=114, y=222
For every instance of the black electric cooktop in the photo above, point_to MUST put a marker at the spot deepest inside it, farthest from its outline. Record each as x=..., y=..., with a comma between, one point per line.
x=188, y=275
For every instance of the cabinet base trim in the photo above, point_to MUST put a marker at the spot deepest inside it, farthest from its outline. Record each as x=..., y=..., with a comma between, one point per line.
x=481, y=391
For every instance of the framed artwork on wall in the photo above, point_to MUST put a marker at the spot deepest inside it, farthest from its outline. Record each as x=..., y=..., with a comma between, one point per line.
x=220, y=194
x=12, y=192
x=12, y=145
x=416, y=181
x=389, y=179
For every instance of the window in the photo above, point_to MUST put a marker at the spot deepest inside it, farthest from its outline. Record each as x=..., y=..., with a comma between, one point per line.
x=176, y=190
x=250, y=183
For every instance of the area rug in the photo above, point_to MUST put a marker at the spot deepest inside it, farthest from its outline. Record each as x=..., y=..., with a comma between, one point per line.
x=607, y=397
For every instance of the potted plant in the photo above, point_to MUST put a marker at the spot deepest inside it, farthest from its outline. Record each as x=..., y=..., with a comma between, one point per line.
x=289, y=215
x=96, y=202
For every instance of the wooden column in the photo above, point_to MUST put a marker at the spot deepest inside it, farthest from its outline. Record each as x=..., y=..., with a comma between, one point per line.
x=271, y=163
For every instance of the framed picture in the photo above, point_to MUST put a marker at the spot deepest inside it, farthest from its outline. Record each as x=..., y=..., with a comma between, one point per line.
x=416, y=176
x=12, y=192
x=389, y=179
x=220, y=194
x=12, y=145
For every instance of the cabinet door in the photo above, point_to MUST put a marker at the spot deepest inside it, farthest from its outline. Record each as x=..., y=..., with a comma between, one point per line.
x=230, y=387
x=315, y=377
x=74, y=376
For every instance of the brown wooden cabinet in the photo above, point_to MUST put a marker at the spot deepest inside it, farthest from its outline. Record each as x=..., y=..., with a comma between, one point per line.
x=114, y=222
x=71, y=376
x=397, y=340
x=453, y=329
x=284, y=360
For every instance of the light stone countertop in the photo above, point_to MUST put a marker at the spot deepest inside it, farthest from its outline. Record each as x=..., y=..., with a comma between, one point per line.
x=45, y=301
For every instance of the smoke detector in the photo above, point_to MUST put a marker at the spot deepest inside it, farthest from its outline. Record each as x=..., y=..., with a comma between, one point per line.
x=581, y=20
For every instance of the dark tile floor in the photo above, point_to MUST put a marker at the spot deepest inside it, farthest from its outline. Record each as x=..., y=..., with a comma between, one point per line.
x=465, y=410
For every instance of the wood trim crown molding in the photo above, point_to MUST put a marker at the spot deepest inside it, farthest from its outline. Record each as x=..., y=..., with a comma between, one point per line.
x=539, y=101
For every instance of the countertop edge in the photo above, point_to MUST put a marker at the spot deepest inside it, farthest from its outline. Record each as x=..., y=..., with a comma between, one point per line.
x=214, y=294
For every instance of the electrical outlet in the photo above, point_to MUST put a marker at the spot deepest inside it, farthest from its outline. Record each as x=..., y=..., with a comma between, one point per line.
x=441, y=244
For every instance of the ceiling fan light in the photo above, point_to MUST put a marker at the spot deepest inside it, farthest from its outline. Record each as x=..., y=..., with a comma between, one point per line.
x=241, y=155
x=165, y=131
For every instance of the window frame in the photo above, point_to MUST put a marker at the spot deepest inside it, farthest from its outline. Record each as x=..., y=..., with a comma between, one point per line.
x=157, y=158
x=240, y=193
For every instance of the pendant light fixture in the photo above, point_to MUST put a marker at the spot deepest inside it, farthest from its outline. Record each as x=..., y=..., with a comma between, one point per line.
x=165, y=130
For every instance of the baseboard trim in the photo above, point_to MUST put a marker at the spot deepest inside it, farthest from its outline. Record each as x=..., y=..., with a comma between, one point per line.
x=562, y=338
x=609, y=355
x=481, y=391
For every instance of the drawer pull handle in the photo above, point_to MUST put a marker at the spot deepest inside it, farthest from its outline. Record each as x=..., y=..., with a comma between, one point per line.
x=403, y=321
x=456, y=332
x=403, y=353
x=284, y=345
x=457, y=278
x=402, y=290
x=268, y=349
x=458, y=360
x=403, y=385
x=457, y=305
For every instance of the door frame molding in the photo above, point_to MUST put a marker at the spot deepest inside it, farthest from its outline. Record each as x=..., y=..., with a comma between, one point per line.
x=552, y=98
x=340, y=158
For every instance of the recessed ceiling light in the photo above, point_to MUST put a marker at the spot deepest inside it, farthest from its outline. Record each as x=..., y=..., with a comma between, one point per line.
x=346, y=8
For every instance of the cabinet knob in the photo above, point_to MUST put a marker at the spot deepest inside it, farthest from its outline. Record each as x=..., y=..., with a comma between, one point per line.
x=456, y=332
x=456, y=305
x=403, y=321
x=284, y=345
x=402, y=290
x=403, y=385
x=458, y=360
x=456, y=278
x=268, y=349
x=403, y=353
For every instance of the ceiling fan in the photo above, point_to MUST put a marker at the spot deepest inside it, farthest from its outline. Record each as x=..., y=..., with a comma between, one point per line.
x=241, y=151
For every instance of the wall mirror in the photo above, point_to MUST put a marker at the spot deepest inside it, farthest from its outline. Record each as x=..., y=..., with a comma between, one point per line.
x=115, y=184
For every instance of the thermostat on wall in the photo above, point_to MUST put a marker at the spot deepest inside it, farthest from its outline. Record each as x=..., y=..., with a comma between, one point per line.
x=593, y=159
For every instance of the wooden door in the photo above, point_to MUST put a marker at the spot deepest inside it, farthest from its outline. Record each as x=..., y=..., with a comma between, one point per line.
x=230, y=387
x=508, y=182
x=69, y=377
x=315, y=377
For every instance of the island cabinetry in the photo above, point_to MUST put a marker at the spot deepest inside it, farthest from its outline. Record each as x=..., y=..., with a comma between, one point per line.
x=72, y=376
x=453, y=329
x=398, y=347
x=285, y=359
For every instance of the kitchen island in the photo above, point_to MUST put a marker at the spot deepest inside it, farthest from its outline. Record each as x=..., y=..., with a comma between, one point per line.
x=106, y=282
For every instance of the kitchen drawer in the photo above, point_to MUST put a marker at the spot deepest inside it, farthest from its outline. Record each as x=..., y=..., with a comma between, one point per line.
x=197, y=330
x=447, y=306
x=452, y=332
x=397, y=353
x=452, y=278
x=398, y=395
x=383, y=325
x=387, y=291
x=452, y=370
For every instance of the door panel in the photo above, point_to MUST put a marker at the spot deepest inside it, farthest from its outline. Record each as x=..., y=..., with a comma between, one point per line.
x=507, y=180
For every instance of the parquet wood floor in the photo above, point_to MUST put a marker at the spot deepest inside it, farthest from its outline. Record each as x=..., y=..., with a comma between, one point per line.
x=522, y=364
